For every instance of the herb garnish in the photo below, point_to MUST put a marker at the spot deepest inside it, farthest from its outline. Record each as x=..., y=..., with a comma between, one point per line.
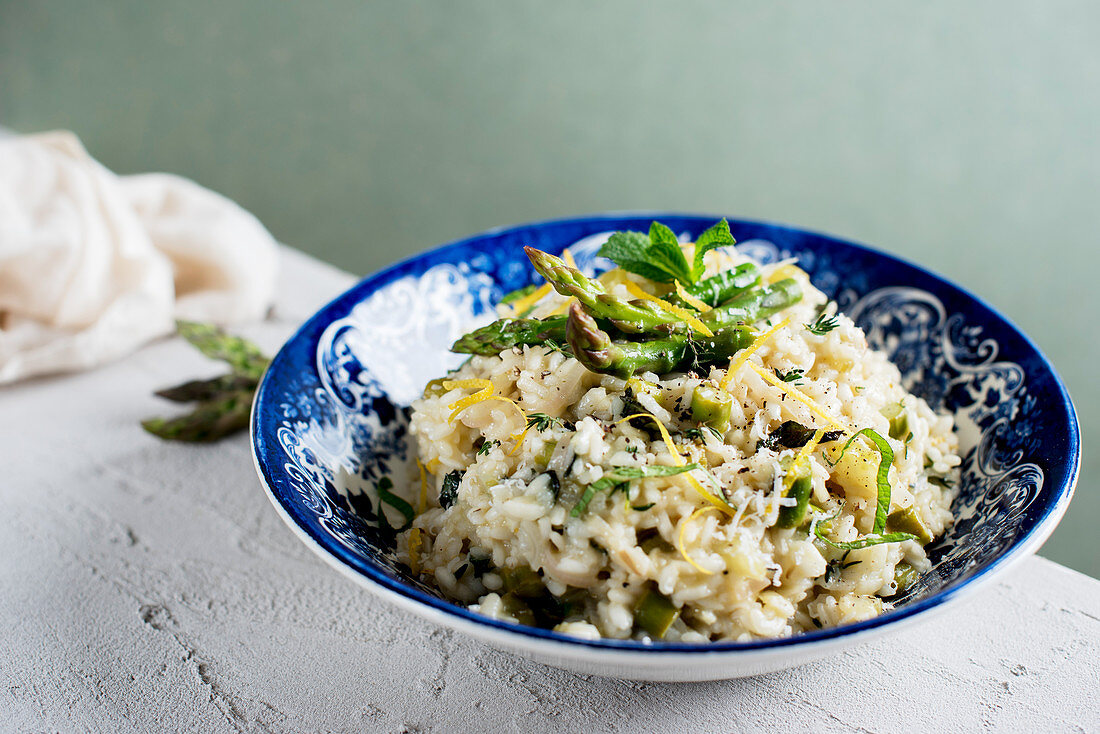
x=823, y=325
x=793, y=376
x=383, y=488
x=696, y=434
x=448, y=493
x=541, y=421
x=658, y=255
x=618, y=475
x=486, y=447
x=794, y=435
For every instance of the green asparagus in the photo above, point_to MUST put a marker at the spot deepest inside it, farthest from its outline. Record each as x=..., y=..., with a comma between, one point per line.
x=224, y=402
x=711, y=406
x=753, y=305
x=244, y=357
x=631, y=317
x=719, y=288
x=595, y=349
x=508, y=333
x=211, y=419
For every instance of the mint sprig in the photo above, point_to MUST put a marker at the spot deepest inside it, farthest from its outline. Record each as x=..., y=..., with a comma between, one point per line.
x=658, y=256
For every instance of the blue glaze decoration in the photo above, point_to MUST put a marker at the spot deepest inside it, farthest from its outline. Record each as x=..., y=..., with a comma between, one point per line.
x=331, y=417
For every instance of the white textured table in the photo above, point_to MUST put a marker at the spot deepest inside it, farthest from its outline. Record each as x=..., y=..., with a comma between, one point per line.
x=150, y=586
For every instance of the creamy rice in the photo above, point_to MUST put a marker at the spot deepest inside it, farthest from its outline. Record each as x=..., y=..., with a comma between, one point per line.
x=730, y=572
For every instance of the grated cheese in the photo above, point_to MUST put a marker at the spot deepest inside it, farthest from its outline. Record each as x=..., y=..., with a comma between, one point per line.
x=800, y=396
x=678, y=460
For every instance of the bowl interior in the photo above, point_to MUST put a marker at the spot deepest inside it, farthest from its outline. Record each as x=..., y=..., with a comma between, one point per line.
x=331, y=415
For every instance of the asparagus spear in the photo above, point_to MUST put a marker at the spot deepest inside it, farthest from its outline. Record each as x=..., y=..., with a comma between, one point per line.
x=507, y=333
x=632, y=317
x=207, y=389
x=224, y=402
x=212, y=419
x=754, y=305
x=244, y=357
x=595, y=349
x=719, y=288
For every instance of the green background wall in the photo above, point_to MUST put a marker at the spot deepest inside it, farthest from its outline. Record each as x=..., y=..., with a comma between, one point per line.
x=962, y=135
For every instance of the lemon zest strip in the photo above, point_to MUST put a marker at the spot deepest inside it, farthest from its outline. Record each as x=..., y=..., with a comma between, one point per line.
x=683, y=313
x=414, y=535
x=484, y=392
x=568, y=257
x=744, y=354
x=786, y=270
x=678, y=460
x=688, y=298
x=530, y=299
x=800, y=396
x=680, y=539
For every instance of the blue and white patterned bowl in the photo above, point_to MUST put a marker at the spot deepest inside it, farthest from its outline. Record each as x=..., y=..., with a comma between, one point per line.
x=330, y=419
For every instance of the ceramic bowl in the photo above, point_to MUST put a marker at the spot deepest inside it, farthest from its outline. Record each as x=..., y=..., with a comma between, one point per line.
x=331, y=418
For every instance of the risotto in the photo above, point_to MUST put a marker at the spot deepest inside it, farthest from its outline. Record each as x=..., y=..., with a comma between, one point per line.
x=691, y=447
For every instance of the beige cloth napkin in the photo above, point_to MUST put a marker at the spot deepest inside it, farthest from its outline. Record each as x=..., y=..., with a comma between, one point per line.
x=92, y=265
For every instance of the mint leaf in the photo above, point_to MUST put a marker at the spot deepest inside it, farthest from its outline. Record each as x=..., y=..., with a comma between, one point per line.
x=617, y=475
x=659, y=256
x=656, y=256
x=630, y=251
x=664, y=252
x=717, y=236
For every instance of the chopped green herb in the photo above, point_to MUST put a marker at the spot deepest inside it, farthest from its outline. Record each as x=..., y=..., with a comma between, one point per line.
x=383, y=487
x=821, y=530
x=542, y=422
x=448, y=493
x=944, y=482
x=643, y=508
x=823, y=325
x=617, y=475
x=794, y=435
x=486, y=447
x=696, y=434
x=793, y=376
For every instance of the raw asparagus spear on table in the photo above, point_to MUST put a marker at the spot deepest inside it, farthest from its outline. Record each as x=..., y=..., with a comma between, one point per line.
x=224, y=402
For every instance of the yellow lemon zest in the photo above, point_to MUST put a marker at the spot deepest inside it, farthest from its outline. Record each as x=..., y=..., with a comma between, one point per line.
x=530, y=299
x=682, y=293
x=568, y=257
x=785, y=271
x=683, y=313
x=680, y=540
x=678, y=460
x=484, y=392
x=433, y=465
x=518, y=438
x=562, y=307
x=800, y=396
x=414, y=535
x=744, y=354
